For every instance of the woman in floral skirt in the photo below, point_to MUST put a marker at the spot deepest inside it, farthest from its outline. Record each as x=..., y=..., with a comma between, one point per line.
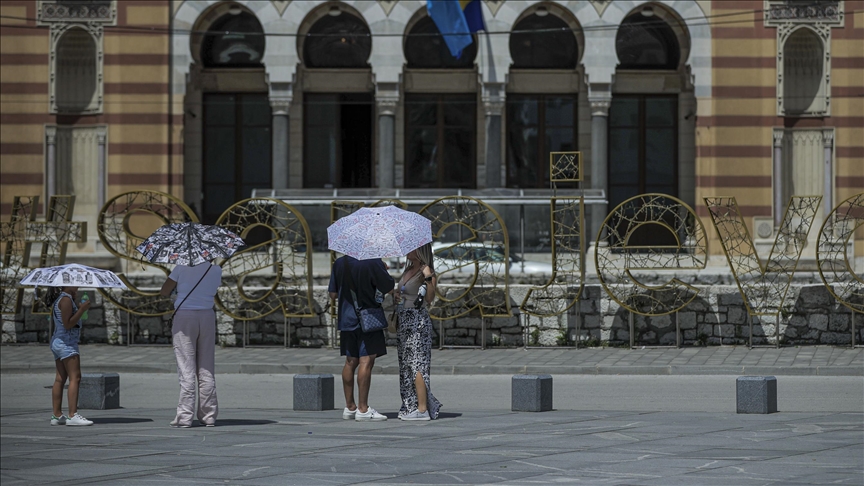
x=415, y=292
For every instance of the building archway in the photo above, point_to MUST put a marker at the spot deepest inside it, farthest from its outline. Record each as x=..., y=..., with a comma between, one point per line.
x=543, y=94
x=648, y=115
x=334, y=43
x=228, y=132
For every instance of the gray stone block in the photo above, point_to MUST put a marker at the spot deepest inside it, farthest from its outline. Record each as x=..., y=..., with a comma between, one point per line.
x=531, y=393
x=756, y=394
x=99, y=391
x=313, y=392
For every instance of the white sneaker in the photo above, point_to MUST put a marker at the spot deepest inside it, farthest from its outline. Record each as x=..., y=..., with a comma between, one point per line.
x=348, y=414
x=417, y=415
x=61, y=420
x=78, y=420
x=371, y=415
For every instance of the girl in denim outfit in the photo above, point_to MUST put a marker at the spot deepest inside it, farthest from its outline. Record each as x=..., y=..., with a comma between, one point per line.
x=64, y=344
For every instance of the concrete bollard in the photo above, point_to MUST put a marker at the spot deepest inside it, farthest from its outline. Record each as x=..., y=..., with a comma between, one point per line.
x=313, y=392
x=531, y=393
x=756, y=394
x=99, y=391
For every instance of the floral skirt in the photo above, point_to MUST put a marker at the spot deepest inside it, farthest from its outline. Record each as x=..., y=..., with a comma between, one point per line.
x=414, y=344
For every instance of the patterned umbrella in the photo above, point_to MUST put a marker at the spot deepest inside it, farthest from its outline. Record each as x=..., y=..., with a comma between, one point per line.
x=73, y=275
x=189, y=244
x=379, y=233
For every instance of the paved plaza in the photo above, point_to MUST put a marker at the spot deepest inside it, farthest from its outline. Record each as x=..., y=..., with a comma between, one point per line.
x=621, y=417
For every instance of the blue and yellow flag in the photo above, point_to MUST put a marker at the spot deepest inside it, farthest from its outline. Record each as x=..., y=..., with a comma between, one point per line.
x=473, y=11
x=456, y=19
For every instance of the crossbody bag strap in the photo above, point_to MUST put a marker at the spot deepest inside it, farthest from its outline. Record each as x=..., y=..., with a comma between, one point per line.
x=350, y=286
x=193, y=290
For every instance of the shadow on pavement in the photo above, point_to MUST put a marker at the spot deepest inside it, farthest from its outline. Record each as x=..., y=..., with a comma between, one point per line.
x=119, y=420
x=236, y=422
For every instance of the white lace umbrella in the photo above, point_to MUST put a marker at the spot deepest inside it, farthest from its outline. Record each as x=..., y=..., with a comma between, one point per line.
x=73, y=275
x=379, y=233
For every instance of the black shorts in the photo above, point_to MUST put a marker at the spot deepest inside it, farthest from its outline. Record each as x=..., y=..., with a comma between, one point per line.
x=357, y=343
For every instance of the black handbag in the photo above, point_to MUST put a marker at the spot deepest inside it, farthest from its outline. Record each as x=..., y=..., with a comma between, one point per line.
x=371, y=320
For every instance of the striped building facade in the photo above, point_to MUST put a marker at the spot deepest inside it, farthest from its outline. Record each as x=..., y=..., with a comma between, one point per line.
x=763, y=108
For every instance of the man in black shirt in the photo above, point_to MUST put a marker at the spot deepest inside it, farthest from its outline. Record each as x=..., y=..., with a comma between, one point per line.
x=370, y=283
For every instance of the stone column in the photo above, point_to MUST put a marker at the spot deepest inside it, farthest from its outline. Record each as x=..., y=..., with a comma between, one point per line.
x=386, y=102
x=102, y=139
x=280, y=149
x=778, y=177
x=599, y=155
x=828, y=150
x=281, y=96
x=50, y=163
x=494, y=108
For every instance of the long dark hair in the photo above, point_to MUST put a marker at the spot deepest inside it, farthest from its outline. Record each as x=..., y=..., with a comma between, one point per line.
x=51, y=295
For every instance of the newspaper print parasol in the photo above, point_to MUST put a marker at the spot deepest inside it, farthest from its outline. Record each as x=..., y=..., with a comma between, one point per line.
x=189, y=244
x=73, y=275
x=379, y=233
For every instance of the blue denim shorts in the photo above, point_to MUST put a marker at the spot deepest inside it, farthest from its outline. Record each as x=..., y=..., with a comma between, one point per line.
x=65, y=345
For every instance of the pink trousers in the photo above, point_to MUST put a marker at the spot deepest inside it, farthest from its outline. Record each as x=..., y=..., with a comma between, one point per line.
x=194, y=336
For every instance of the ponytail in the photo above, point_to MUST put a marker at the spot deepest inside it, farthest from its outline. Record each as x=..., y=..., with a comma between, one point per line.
x=51, y=295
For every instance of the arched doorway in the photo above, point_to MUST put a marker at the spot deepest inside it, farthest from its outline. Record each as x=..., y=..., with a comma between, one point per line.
x=541, y=118
x=228, y=98
x=644, y=130
x=338, y=137
x=440, y=123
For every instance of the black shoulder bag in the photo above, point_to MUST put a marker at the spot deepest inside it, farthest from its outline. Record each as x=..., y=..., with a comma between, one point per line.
x=371, y=320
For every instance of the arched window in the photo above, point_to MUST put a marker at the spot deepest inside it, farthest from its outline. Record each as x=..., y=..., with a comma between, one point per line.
x=549, y=43
x=76, y=72
x=646, y=43
x=425, y=48
x=234, y=41
x=341, y=41
x=803, y=73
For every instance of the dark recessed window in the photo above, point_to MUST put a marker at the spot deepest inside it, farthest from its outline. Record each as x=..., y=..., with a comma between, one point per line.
x=646, y=43
x=234, y=41
x=425, y=48
x=440, y=140
x=545, y=42
x=337, y=42
x=536, y=126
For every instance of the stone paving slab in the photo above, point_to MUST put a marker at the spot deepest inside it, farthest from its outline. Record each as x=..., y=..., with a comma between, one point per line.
x=813, y=361
x=274, y=446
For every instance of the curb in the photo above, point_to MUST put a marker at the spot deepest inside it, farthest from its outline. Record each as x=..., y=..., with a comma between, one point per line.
x=293, y=369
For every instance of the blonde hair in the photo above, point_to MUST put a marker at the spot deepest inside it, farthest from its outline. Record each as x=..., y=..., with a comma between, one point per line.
x=426, y=257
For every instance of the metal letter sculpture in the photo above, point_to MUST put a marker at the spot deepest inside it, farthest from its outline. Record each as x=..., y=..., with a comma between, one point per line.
x=832, y=257
x=21, y=231
x=763, y=287
x=618, y=258
x=486, y=286
x=282, y=264
x=116, y=233
x=564, y=288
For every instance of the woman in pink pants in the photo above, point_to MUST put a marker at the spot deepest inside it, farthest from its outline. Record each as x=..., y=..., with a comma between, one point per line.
x=194, y=336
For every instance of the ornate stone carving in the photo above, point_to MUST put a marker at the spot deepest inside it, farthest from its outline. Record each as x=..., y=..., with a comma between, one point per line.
x=387, y=5
x=76, y=89
x=600, y=5
x=280, y=5
x=387, y=105
x=100, y=11
x=819, y=17
x=600, y=107
x=494, y=5
x=812, y=11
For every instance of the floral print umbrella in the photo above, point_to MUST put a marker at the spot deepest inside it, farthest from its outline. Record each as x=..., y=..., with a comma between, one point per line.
x=189, y=244
x=379, y=233
x=73, y=275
